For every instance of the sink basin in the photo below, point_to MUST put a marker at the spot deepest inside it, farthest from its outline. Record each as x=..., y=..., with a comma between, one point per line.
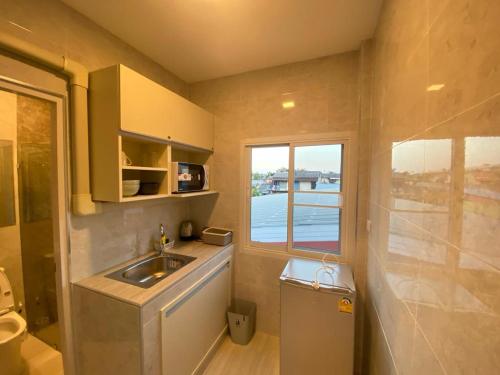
x=149, y=271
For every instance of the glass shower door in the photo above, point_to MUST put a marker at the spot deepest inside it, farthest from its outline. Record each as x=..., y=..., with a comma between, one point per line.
x=26, y=227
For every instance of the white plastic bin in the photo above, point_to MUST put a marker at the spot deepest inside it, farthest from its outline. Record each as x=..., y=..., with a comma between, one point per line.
x=241, y=317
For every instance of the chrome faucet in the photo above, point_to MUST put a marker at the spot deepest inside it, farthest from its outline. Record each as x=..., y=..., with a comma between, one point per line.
x=163, y=239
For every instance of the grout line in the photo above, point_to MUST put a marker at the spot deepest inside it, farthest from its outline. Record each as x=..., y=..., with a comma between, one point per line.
x=386, y=270
x=419, y=328
x=385, y=336
x=442, y=122
x=415, y=321
x=425, y=231
x=417, y=324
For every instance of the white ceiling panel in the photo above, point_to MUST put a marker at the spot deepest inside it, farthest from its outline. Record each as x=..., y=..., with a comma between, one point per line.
x=204, y=39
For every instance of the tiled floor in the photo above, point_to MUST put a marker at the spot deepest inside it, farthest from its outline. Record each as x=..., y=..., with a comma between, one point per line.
x=49, y=335
x=40, y=358
x=260, y=356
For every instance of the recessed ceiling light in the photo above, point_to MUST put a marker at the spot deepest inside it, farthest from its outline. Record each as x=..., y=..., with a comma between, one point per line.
x=288, y=104
x=435, y=87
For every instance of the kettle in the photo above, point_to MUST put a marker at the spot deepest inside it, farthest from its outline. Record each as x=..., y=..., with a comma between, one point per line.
x=186, y=231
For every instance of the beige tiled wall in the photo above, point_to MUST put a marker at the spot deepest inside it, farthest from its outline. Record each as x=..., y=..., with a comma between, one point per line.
x=119, y=233
x=248, y=105
x=122, y=231
x=433, y=262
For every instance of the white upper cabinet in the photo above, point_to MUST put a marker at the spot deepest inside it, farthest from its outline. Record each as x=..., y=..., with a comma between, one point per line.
x=138, y=105
x=193, y=125
x=135, y=120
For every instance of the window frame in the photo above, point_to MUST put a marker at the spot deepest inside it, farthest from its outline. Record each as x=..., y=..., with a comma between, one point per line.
x=348, y=194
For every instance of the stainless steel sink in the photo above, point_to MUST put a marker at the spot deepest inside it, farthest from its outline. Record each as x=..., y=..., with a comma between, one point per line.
x=149, y=271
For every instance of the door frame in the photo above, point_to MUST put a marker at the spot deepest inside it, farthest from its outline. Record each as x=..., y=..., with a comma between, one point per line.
x=60, y=208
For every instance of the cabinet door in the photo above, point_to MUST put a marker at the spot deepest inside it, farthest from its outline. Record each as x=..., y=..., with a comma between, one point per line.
x=193, y=125
x=145, y=106
x=194, y=321
x=149, y=109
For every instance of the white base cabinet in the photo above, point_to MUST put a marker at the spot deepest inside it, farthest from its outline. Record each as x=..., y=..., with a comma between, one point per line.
x=194, y=322
x=175, y=333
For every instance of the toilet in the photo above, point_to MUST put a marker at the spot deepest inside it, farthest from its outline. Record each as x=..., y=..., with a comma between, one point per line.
x=12, y=330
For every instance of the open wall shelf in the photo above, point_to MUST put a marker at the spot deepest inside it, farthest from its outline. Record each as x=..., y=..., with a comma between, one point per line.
x=194, y=194
x=149, y=160
x=137, y=129
x=136, y=168
x=137, y=198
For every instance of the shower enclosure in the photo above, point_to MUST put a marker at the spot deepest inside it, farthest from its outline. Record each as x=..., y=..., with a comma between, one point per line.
x=27, y=126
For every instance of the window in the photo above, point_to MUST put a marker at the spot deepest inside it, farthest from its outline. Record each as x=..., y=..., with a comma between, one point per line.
x=296, y=198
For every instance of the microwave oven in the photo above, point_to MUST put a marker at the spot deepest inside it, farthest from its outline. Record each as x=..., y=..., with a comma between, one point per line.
x=189, y=177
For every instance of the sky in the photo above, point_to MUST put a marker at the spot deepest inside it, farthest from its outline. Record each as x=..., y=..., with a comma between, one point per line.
x=324, y=158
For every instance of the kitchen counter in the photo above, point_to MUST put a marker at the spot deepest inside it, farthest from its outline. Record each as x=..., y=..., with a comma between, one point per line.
x=120, y=328
x=139, y=296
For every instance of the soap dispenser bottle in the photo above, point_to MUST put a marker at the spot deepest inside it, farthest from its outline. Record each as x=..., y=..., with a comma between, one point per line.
x=163, y=238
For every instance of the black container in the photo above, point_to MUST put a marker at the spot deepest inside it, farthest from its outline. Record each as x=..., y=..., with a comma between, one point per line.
x=149, y=188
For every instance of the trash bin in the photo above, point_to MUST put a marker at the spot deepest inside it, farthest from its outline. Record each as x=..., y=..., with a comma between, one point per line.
x=241, y=317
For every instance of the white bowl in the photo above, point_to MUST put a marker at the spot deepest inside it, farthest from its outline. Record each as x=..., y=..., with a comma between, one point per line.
x=129, y=190
x=131, y=182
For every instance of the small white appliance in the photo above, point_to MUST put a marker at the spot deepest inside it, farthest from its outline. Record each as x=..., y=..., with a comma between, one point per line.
x=12, y=330
x=317, y=318
x=189, y=177
x=186, y=231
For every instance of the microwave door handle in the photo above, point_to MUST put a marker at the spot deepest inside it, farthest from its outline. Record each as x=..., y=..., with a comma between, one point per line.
x=202, y=178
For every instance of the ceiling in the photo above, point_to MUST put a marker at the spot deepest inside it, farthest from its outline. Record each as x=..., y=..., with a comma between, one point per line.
x=204, y=39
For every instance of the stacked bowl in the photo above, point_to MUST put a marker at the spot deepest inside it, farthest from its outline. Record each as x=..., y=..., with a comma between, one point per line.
x=130, y=187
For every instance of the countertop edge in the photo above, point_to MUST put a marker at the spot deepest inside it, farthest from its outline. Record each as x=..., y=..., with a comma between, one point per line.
x=154, y=291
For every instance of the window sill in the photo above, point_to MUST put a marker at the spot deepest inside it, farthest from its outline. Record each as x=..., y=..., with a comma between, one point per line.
x=283, y=254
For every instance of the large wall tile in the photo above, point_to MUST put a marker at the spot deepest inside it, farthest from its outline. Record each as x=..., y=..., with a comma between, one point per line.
x=423, y=359
x=435, y=187
x=379, y=358
x=464, y=56
x=457, y=316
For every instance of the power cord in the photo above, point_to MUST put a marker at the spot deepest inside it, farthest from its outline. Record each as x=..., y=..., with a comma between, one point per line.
x=329, y=270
